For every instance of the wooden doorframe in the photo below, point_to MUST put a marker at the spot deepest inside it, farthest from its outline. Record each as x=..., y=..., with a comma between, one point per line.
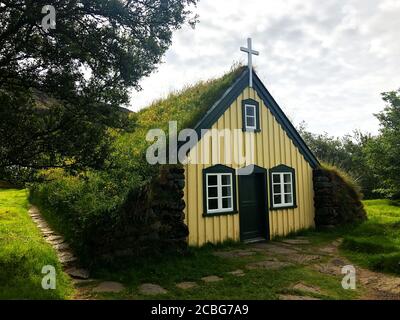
x=261, y=172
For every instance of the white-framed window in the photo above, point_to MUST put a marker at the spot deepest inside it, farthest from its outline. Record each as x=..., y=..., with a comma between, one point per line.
x=250, y=116
x=282, y=189
x=219, y=192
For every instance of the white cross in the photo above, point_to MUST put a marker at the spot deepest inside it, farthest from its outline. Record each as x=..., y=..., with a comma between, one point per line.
x=250, y=52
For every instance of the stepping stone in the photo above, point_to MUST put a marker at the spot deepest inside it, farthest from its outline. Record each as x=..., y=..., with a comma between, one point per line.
x=338, y=262
x=53, y=237
x=109, y=287
x=269, y=264
x=77, y=273
x=329, y=249
x=303, y=258
x=33, y=210
x=151, y=289
x=293, y=297
x=307, y=288
x=186, y=285
x=211, y=279
x=328, y=269
x=273, y=248
x=43, y=225
x=337, y=242
x=237, y=273
x=61, y=246
x=66, y=257
x=56, y=242
x=296, y=241
x=246, y=253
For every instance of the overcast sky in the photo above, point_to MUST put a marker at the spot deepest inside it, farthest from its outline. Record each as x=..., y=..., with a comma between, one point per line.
x=325, y=62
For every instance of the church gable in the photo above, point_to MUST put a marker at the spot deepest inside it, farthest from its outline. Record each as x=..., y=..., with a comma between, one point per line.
x=250, y=112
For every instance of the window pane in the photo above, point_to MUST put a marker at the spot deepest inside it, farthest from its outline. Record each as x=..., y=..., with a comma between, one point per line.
x=277, y=188
x=226, y=191
x=276, y=178
x=288, y=188
x=277, y=200
x=287, y=177
x=212, y=192
x=288, y=198
x=249, y=111
x=250, y=122
x=226, y=203
x=226, y=179
x=212, y=204
x=212, y=180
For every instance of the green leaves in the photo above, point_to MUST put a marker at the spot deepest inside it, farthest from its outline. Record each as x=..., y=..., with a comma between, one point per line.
x=81, y=73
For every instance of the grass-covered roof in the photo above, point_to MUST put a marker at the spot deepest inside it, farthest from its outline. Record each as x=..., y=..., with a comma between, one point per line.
x=188, y=105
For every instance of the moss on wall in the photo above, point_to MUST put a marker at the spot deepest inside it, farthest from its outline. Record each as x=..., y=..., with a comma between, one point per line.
x=337, y=198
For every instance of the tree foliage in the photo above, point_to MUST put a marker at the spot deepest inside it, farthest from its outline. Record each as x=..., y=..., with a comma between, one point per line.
x=383, y=153
x=373, y=161
x=60, y=89
x=347, y=153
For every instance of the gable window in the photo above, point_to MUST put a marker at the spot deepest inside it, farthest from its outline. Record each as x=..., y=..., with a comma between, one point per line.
x=250, y=115
x=282, y=187
x=219, y=187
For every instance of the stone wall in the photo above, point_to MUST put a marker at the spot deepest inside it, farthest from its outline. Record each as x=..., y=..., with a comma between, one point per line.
x=336, y=201
x=151, y=221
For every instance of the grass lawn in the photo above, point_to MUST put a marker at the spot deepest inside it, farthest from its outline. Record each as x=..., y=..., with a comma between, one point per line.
x=375, y=244
x=23, y=253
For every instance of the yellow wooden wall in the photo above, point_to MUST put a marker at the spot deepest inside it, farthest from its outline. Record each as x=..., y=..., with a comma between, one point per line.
x=272, y=147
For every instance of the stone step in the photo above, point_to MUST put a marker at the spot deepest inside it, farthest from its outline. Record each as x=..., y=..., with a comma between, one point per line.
x=78, y=273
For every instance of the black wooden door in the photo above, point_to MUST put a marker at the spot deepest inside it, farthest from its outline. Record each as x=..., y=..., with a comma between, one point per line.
x=253, y=211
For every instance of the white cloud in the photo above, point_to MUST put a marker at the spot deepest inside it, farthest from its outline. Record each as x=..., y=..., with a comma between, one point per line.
x=324, y=62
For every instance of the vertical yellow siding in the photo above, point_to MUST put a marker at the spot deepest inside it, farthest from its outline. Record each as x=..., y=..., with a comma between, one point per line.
x=272, y=147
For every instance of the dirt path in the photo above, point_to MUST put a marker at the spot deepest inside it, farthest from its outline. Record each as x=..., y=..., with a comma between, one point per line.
x=327, y=260
x=379, y=286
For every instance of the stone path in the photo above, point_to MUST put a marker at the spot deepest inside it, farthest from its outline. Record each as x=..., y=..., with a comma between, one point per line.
x=186, y=285
x=324, y=259
x=211, y=279
x=109, y=286
x=65, y=255
x=151, y=289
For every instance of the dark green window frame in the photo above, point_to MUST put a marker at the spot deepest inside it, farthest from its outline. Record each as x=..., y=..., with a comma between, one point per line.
x=219, y=169
x=256, y=105
x=282, y=169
